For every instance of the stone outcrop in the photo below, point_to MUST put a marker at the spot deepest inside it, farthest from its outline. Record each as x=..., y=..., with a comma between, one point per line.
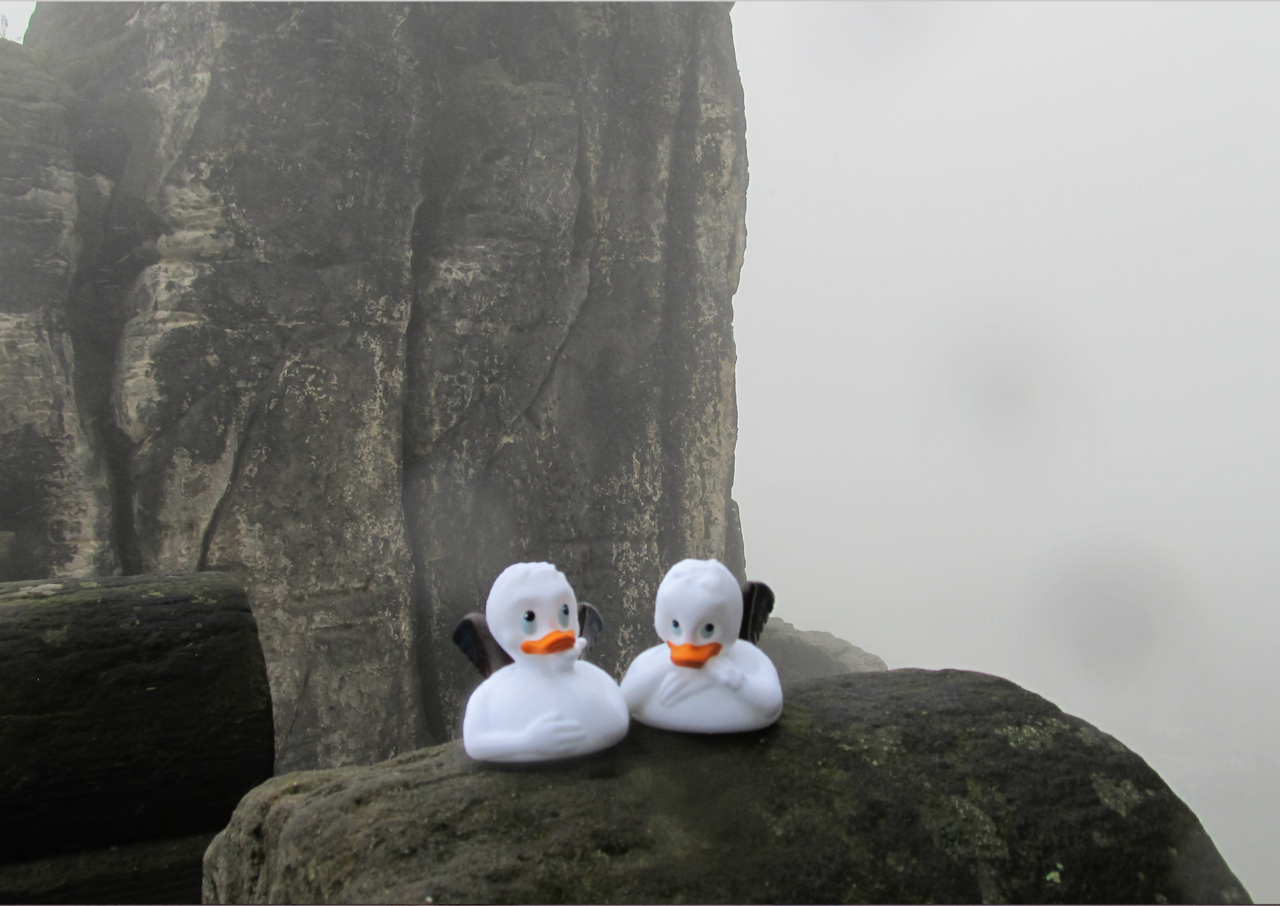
x=55, y=506
x=134, y=714
x=905, y=786
x=130, y=709
x=801, y=654
x=373, y=300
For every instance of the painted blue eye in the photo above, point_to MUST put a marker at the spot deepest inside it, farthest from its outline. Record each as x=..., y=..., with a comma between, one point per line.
x=564, y=616
x=708, y=631
x=529, y=622
x=675, y=627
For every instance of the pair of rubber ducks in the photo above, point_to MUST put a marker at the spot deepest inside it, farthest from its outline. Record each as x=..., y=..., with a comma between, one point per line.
x=541, y=702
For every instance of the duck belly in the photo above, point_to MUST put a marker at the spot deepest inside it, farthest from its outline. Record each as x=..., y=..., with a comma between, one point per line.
x=520, y=698
x=714, y=709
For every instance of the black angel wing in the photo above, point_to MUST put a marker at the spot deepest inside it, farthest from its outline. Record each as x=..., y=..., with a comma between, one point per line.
x=478, y=644
x=757, y=604
x=589, y=624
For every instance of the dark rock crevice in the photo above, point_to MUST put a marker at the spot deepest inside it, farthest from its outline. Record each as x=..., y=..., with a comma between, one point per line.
x=118, y=232
x=498, y=292
x=426, y=642
x=98, y=313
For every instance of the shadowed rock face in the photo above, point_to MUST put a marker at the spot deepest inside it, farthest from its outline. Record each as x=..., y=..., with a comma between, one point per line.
x=904, y=786
x=55, y=514
x=373, y=300
x=131, y=709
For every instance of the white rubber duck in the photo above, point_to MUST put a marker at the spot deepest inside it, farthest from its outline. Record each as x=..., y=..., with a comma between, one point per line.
x=539, y=701
x=707, y=676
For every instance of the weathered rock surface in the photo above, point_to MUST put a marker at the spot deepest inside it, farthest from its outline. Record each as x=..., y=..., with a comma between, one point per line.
x=165, y=871
x=55, y=508
x=263, y=203
x=805, y=654
x=131, y=709
x=380, y=298
x=571, y=365
x=896, y=787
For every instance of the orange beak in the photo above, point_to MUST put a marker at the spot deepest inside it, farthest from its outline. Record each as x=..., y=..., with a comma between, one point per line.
x=550, y=643
x=693, y=655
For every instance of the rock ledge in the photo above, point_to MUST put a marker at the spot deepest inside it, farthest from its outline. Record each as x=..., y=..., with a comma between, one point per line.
x=898, y=786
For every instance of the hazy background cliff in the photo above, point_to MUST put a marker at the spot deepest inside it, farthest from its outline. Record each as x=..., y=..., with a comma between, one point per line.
x=1008, y=377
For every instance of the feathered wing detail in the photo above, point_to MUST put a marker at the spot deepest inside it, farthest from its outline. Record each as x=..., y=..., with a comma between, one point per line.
x=757, y=604
x=589, y=624
x=478, y=644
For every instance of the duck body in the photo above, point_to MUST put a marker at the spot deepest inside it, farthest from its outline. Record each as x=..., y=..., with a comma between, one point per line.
x=546, y=703
x=707, y=676
x=710, y=705
x=540, y=712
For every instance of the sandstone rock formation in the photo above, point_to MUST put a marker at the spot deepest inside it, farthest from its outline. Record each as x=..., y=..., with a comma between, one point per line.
x=906, y=786
x=55, y=511
x=369, y=302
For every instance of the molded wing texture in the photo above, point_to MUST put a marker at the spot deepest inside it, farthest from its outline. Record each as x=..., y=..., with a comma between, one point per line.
x=757, y=604
x=589, y=624
x=478, y=644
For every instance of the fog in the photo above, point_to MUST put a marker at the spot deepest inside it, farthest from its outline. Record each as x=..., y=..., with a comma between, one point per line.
x=1009, y=362
x=16, y=14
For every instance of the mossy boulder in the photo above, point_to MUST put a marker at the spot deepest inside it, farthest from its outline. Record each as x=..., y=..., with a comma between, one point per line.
x=897, y=786
x=132, y=709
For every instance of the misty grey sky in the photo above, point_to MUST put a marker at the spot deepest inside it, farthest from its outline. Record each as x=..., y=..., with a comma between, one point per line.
x=1008, y=374
x=16, y=15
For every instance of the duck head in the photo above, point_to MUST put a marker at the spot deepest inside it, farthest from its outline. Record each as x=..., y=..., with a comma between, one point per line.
x=698, y=611
x=533, y=614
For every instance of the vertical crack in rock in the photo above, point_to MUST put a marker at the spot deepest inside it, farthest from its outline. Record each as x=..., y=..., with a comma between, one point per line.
x=426, y=637
x=127, y=145
x=246, y=437
x=579, y=282
x=542, y=384
x=98, y=319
